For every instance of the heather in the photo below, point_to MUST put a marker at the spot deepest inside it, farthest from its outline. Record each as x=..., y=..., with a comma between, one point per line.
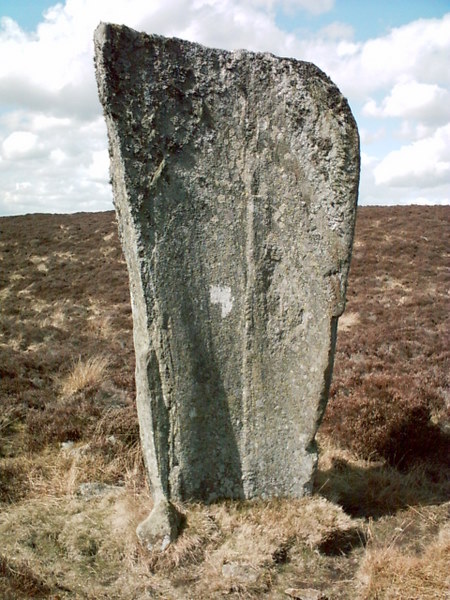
x=72, y=483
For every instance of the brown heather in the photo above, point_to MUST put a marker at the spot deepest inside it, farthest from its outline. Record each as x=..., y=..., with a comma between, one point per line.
x=389, y=398
x=375, y=528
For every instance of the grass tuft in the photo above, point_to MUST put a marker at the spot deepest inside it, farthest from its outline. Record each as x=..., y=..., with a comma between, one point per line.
x=389, y=572
x=85, y=374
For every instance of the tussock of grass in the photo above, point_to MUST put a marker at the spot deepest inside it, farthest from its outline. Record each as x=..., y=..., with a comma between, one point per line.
x=388, y=572
x=84, y=374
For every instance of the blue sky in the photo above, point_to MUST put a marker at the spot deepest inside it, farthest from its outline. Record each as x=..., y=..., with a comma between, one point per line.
x=26, y=13
x=369, y=18
x=389, y=58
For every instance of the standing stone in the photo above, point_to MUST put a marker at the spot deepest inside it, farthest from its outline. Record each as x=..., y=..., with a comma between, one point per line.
x=235, y=179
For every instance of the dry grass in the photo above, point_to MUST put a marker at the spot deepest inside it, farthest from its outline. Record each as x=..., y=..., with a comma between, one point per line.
x=17, y=580
x=88, y=542
x=85, y=374
x=388, y=572
x=373, y=489
x=72, y=482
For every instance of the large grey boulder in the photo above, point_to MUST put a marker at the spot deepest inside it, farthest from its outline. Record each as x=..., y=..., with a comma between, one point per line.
x=235, y=179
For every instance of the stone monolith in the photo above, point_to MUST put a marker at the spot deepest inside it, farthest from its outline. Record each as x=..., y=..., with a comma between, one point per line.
x=235, y=179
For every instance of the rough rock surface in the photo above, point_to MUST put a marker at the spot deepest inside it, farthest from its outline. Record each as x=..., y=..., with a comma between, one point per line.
x=161, y=527
x=235, y=179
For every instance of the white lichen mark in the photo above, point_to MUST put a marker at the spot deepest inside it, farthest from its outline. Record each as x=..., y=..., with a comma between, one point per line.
x=220, y=294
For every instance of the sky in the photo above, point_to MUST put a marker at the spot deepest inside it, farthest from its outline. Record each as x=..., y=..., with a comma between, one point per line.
x=390, y=59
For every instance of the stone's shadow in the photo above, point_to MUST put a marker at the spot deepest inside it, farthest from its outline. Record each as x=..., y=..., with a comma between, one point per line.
x=211, y=458
x=340, y=542
x=380, y=490
x=205, y=461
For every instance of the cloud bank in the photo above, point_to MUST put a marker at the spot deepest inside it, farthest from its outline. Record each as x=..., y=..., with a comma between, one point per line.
x=53, y=155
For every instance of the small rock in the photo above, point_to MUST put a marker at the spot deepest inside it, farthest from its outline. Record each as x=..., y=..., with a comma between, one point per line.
x=67, y=445
x=160, y=528
x=95, y=489
x=37, y=382
x=74, y=450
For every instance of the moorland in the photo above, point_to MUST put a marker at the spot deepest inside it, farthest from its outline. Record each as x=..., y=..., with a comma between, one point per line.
x=72, y=482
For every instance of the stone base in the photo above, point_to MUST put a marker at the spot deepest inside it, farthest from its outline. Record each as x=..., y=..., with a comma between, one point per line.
x=160, y=528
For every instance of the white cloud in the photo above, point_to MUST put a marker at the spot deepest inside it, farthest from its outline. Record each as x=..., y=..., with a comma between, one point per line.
x=19, y=144
x=23, y=185
x=424, y=163
x=346, y=48
x=10, y=32
x=54, y=137
x=413, y=100
x=315, y=7
x=340, y=31
x=98, y=170
x=58, y=156
x=367, y=160
x=417, y=51
x=368, y=137
x=41, y=122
